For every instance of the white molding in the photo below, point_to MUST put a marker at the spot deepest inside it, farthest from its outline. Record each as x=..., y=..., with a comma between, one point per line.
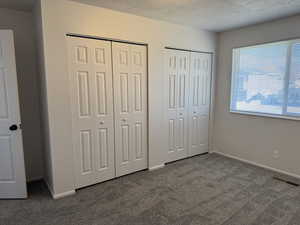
x=60, y=195
x=258, y=164
x=64, y=194
x=257, y=114
x=157, y=167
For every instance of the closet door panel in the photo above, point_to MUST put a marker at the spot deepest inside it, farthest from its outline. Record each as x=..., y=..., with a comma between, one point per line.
x=171, y=89
x=176, y=92
x=92, y=111
x=139, y=106
x=182, y=109
x=104, y=111
x=122, y=87
x=130, y=98
x=83, y=128
x=205, y=104
x=199, y=103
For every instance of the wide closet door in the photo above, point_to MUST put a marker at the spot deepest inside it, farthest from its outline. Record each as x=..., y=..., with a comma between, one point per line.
x=92, y=112
x=200, y=89
x=130, y=91
x=109, y=109
x=176, y=87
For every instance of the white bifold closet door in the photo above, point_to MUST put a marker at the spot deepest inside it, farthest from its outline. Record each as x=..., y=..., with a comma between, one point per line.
x=187, y=88
x=93, y=117
x=130, y=92
x=176, y=86
x=199, y=95
x=109, y=109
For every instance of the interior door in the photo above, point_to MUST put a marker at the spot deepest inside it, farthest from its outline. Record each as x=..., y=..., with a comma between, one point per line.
x=176, y=87
x=93, y=120
x=12, y=170
x=199, y=102
x=130, y=100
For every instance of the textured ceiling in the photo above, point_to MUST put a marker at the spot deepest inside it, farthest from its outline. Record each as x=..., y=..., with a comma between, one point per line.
x=215, y=15
x=24, y=5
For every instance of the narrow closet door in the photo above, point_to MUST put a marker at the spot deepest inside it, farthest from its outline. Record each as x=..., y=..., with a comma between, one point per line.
x=199, y=103
x=130, y=98
x=92, y=113
x=176, y=87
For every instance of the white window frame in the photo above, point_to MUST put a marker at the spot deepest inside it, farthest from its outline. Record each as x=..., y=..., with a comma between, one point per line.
x=285, y=114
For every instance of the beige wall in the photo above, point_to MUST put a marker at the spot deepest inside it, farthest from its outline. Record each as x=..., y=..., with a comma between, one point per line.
x=61, y=17
x=37, y=11
x=250, y=137
x=22, y=25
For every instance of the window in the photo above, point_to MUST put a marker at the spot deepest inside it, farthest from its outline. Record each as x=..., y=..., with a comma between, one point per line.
x=266, y=79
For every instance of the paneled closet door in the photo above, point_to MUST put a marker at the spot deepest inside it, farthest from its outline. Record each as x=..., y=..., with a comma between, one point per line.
x=130, y=100
x=176, y=87
x=199, y=103
x=92, y=112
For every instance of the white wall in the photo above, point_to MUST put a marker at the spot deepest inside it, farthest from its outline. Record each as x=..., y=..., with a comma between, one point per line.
x=22, y=25
x=61, y=17
x=249, y=137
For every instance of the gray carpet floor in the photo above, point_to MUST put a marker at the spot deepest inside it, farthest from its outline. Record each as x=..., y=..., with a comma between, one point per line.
x=204, y=190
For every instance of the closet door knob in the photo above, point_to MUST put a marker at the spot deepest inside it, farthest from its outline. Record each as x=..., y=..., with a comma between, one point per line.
x=13, y=127
x=101, y=122
x=124, y=120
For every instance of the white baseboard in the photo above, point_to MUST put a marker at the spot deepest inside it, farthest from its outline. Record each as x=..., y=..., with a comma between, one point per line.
x=157, y=167
x=258, y=164
x=60, y=195
x=64, y=194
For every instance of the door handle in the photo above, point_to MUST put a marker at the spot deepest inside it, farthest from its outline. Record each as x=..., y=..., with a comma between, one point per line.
x=124, y=120
x=101, y=122
x=13, y=127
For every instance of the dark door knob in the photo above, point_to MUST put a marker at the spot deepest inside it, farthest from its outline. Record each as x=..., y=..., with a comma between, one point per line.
x=13, y=127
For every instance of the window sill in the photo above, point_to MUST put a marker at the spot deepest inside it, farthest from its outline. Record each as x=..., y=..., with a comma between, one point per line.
x=265, y=115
